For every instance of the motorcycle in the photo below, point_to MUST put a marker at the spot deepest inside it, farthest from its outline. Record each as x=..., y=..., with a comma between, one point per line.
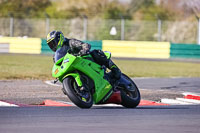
x=87, y=83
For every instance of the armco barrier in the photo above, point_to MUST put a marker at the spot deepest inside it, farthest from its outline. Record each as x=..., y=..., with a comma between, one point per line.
x=95, y=44
x=32, y=45
x=184, y=51
x=138, y=49
x=45, y=48
x=20, y=45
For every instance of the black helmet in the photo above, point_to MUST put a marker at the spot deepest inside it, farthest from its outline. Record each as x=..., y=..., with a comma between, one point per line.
x=55, y=40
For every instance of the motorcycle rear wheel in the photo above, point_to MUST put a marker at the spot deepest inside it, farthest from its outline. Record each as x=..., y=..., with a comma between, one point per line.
x=73, y=92
x=130, y=99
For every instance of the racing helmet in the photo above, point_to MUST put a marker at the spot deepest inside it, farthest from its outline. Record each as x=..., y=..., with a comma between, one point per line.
x=55, y=40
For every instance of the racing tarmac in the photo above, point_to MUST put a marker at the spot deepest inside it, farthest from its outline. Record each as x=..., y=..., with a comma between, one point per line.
x=151, y=119
x=146, y=119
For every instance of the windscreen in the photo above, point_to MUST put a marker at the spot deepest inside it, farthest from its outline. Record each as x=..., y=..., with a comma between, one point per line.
x=61, y=52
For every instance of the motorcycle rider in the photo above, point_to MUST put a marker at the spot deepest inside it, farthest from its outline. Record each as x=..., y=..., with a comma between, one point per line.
x=56, y=41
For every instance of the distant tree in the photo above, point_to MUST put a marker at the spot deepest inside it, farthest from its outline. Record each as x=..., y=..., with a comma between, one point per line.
x=148, y=10
x=23, y=8
x=114, y=10
x=137, y=4
x=72, y=8
x=90, y=8
x=182, y=8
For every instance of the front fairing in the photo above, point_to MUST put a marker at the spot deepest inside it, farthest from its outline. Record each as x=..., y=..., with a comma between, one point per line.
x=59, y=70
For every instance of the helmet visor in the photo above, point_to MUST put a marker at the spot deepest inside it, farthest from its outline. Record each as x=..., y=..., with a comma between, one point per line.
x=53, y=45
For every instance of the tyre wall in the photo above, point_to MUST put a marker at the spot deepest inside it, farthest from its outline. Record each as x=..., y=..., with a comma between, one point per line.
x=185, y=51
x=127, y=49
x=20, y=45
x=137, y=49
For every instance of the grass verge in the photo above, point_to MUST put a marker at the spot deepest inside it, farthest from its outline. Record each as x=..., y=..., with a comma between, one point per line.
x=17, y=66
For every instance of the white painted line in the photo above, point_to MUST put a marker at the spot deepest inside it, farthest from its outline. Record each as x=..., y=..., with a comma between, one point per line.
x=5, y=104
x=174, y=102
x=70, y=103
x=50, y=83
x=189, y=100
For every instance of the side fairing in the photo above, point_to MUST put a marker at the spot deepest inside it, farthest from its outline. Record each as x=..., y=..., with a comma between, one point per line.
x=96, y=73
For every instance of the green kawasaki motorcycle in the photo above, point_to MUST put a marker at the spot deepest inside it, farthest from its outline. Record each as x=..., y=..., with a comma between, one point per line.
x=87, y=83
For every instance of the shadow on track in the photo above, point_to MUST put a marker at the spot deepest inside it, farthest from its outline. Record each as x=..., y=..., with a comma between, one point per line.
x=145, y=107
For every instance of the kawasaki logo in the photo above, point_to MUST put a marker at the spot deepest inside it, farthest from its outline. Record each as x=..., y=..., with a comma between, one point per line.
x=108, y=86
x=108, y=95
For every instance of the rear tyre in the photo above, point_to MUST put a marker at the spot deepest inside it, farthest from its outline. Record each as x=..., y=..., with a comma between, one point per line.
x=80, y=98
x=130, y=99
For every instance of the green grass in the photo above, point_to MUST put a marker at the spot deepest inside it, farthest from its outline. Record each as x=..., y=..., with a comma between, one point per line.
x=16, y=66
x=159, y=68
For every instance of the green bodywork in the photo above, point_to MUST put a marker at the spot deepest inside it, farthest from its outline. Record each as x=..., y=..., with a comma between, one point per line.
x=68, y=65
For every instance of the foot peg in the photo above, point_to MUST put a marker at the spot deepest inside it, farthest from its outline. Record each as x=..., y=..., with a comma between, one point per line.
x=55, y=81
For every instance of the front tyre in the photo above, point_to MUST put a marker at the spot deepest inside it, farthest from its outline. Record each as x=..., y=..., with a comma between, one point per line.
x=130, y=99
x=82, y=99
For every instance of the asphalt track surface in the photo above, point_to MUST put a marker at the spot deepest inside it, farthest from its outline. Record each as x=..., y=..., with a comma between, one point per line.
x=143, y=119
x=177, y=84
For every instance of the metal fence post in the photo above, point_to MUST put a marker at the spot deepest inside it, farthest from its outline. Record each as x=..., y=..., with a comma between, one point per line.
x=122, y=28
x=47, y=25
x=85, y=26
x=11, y=26
x=198, y=32
x=159, y=30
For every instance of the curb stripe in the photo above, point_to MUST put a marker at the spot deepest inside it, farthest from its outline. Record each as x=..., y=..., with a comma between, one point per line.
x=192, y=97
x=174, y=102
x=189, y=100
x=53, y=103
x=189, y=95
x=5, y=104
x=150, y=103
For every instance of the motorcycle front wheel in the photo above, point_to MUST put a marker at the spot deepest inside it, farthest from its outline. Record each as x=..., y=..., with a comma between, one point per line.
x=82, y=99
x=130, y=99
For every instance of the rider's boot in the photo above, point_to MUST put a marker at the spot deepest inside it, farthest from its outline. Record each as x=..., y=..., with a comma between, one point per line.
x=116, y=76
x=101, y=59
x=115, y=71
